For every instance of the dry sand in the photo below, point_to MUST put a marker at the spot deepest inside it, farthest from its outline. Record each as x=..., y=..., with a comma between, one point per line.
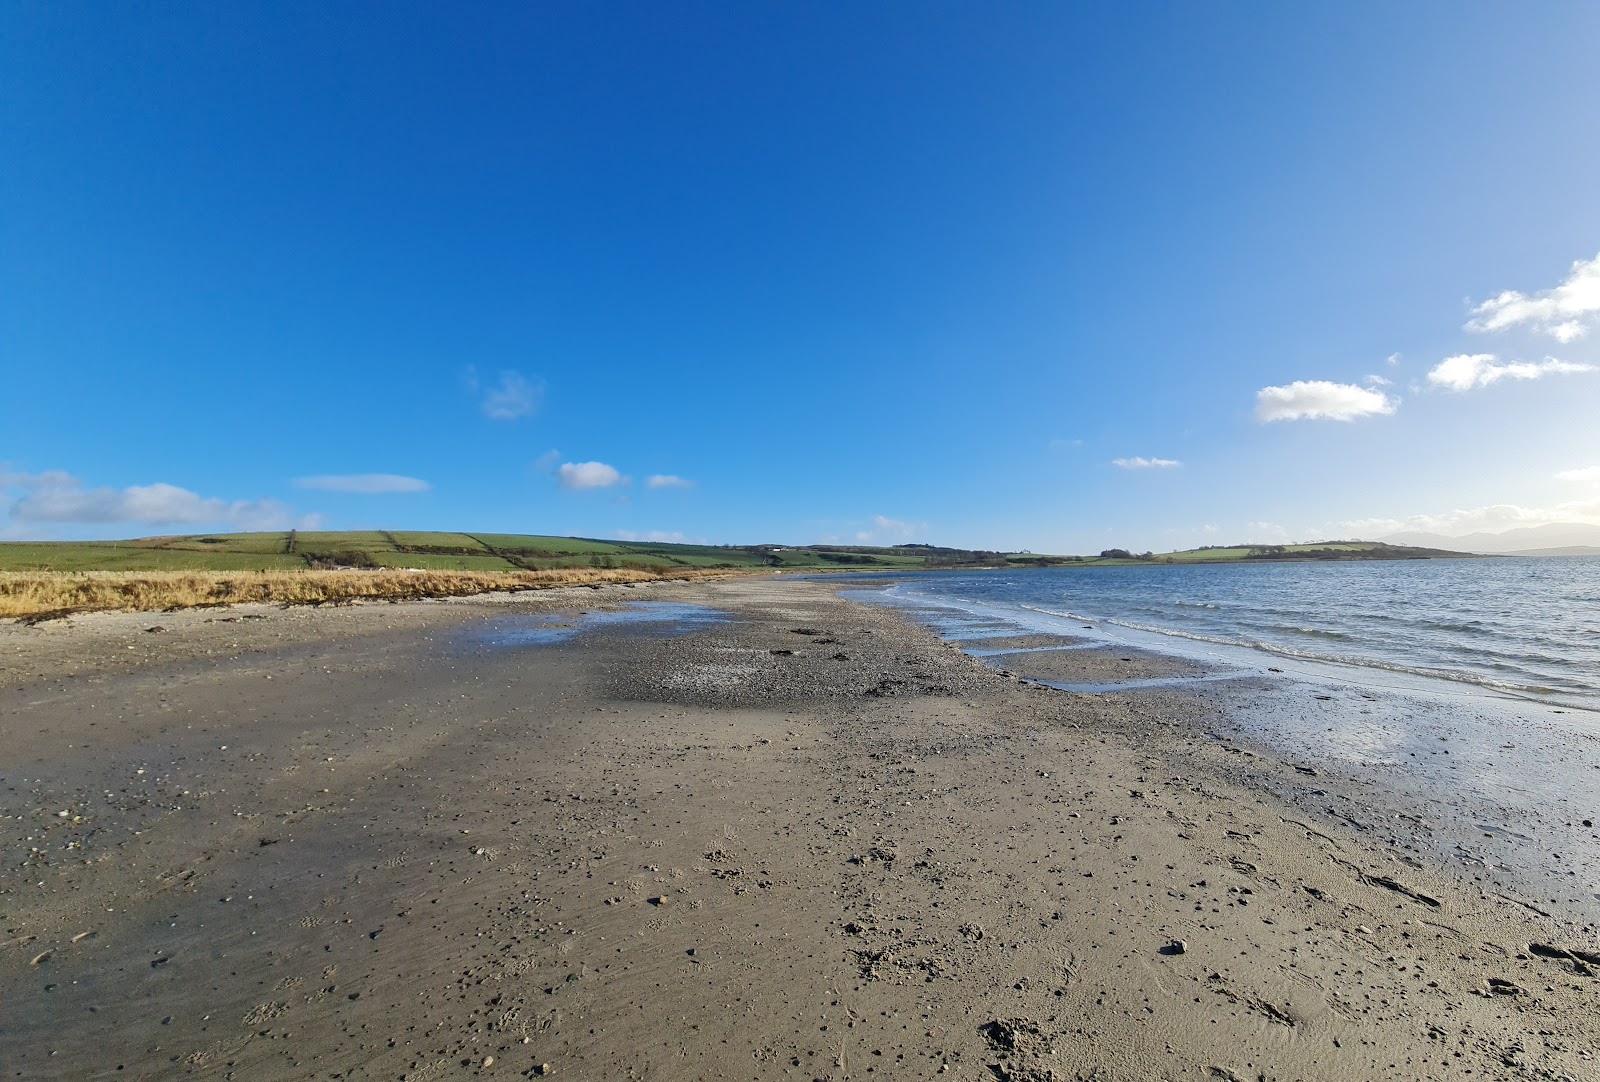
x=808, y=842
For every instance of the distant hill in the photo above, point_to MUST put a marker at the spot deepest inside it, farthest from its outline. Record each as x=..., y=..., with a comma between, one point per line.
x=1336, y=551
x=509, y=552
x=1508, y=542
x=1569, y=550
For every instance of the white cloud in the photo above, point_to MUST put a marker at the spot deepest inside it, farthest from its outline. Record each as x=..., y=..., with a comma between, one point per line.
x=1377, y=381
x=1465, y=371
x=60, y=497
x=363, y=484
x=1587, y=473
x=1272, y=528
x=1565, y=313
x=1393, y=359
x=667, y=480
x=547, y=461
x=659, y=536
x=1320, y=400
x=513, y=397
x=581, y=475
x=1140, y=463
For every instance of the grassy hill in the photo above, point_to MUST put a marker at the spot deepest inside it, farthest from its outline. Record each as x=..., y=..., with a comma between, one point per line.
x=429, y=551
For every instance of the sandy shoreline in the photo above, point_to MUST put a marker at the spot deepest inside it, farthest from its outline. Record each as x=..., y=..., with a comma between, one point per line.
x=372, y=843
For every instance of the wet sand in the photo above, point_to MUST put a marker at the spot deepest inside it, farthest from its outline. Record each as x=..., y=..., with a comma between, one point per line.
x=807, y=840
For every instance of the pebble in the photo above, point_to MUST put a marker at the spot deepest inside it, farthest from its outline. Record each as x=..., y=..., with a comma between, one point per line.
x=488, y=1061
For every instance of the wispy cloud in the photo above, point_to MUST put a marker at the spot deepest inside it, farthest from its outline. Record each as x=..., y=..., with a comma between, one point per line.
x=1141, y=463
x=1320, y=400
x=1565, y=313
x=582, y=475
x=658, y=536
x=1376, y=380
x=667, y=480
x=59, y=497
x=512, y=397
x=363, y=484
x=1587, y=473
x=886, y=530
x=1465, y=371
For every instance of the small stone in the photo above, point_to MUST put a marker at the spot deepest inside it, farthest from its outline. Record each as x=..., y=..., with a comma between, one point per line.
x=545, y=1069
x=659, y=899
x=1363, y=929
x=488, y=1061
x=1177, y=946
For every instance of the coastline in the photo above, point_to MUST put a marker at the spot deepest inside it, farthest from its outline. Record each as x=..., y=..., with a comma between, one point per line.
x=370, y=841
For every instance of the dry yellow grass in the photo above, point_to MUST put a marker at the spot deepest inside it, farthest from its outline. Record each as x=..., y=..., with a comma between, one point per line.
x=35, y=595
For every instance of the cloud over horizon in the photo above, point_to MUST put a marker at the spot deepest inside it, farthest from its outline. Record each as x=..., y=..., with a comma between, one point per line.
x=1465, y=371
x=1565, y=312
x=1321, y=400
x=886, y=530
x=582, y=475
x=58, y=497
x=363, y=484
x=1492, y=518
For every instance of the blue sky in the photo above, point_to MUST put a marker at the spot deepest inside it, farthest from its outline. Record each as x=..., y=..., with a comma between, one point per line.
x=1041, y=276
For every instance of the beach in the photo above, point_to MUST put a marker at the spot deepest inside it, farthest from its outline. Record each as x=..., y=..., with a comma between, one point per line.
x=734, y=829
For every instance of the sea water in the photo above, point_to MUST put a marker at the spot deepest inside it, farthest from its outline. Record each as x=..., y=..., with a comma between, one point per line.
x=1522, y=626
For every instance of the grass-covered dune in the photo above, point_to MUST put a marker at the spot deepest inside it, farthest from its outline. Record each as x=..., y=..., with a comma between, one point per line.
x=38, y=595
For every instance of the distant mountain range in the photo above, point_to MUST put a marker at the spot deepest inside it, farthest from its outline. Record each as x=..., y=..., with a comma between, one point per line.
x=1556, y=539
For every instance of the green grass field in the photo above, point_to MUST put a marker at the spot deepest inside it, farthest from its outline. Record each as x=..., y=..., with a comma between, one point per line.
x=534, y=552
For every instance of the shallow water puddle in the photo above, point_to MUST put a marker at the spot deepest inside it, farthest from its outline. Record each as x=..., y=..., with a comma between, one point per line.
x=1136, y=685
x=658, y=617
x=976, y=652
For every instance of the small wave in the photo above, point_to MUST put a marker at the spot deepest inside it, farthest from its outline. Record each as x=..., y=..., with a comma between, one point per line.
x=1471, y=627
x=1453, y=675
x=1067, y=615
x=1314, y=632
